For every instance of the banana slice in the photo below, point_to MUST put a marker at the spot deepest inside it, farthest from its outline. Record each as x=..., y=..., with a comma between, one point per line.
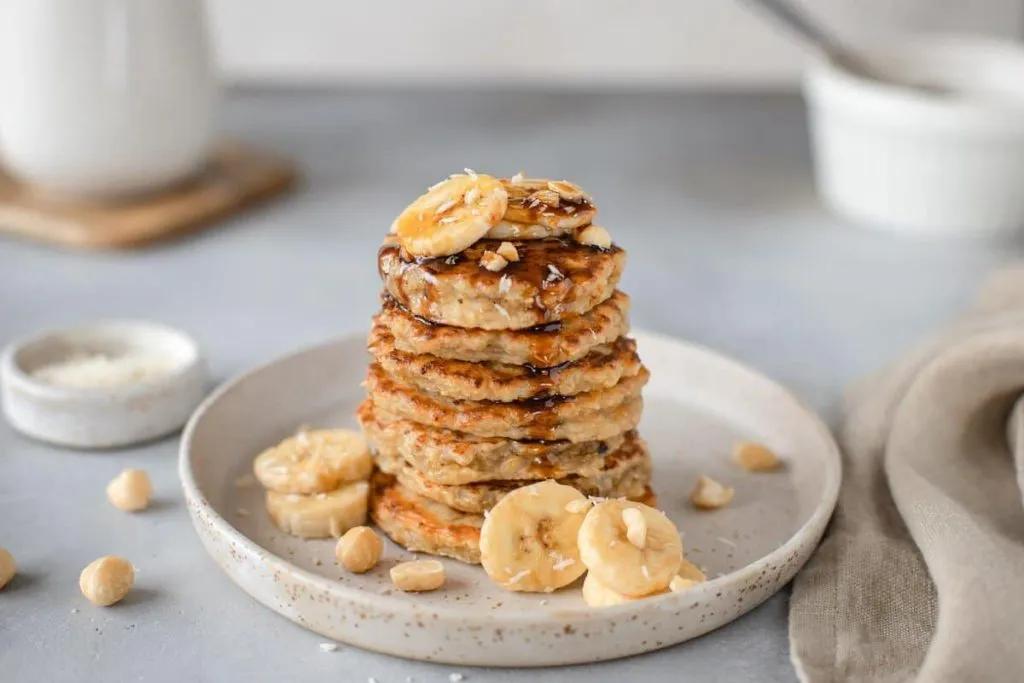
x=314, y=462
x=543, y=208
x=528, y=540
x=452, y=215
x=596, y=594
x=616, y=555
x=510, y=230
x=321, y=515
x=689, y=576
x=691, y=572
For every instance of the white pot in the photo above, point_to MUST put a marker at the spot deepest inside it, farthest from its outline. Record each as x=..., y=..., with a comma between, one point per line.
x=898, y=157
x=104, y=97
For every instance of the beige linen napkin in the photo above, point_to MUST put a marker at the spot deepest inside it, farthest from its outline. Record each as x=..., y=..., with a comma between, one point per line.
x=921, y=575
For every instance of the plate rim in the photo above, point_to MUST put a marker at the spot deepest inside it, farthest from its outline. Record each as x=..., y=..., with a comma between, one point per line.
x=199, y=504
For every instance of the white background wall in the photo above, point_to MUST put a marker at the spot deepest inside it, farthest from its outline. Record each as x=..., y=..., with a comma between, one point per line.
x=644, y=42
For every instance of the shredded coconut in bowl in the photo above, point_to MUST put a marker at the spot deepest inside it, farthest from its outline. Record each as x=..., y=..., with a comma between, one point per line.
x=102, y=371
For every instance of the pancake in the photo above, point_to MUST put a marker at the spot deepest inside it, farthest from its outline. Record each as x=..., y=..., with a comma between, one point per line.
x=553, y=278
x=548, y=345
x=591, y=416
x=625, y=474
x=602, y=368
x=422, y=525
x=454, y=458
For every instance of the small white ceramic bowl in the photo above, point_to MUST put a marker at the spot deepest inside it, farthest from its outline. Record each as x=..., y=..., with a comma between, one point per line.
x=103, y=416
x=905, y=158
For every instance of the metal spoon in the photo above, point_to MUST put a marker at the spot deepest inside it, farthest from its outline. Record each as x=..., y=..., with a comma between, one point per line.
x=835, y=49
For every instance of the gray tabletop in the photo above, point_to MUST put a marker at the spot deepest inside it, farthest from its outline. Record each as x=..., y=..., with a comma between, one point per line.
x=711, y=195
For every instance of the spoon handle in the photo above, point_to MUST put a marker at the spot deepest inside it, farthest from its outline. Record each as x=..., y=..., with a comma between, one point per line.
x=799, y=22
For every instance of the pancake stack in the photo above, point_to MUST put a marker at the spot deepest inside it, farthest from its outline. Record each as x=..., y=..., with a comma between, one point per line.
x=500, y=358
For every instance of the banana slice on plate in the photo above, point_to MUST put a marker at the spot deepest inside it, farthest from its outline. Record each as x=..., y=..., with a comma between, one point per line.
x=528, y=540
x=630, y=547
x=321, y=515
x=596, y=594
x=691, y=572
x=452, y=215
x=538, y=208
x=314, y=462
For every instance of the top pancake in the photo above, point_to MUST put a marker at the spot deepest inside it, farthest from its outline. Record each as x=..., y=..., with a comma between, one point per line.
x=553, y=279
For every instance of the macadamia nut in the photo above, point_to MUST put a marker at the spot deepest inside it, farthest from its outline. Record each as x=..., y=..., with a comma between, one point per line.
x=130, y=491
x=107, y=580
x=359, y=549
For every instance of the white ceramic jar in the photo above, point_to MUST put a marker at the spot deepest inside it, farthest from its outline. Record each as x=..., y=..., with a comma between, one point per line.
x=908, y=159
x=104, y=97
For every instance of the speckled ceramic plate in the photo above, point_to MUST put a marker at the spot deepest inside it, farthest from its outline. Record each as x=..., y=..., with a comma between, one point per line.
x=696, y=406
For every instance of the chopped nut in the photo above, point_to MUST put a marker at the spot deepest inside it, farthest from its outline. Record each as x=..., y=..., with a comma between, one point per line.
x=570, y=192
x=107, y=580
x=755, y=457
x=130, y=491
x=708, y=494
x=577, y=506
x=7, y=567
x=546, y=197
x=492, y=261
x=679, y=584
x=508, y=251
x=594, y=236
x=359, y=549
x=419, y=575
x=445, y=205
x=636, y=527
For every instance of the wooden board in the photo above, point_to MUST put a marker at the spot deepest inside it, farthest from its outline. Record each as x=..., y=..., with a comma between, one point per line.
x=236, y=177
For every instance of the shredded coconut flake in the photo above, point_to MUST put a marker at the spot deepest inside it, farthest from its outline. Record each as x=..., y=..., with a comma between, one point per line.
x=646, y=572
x=563, y=563
x=470, y=172
x=501, y=309
x=504, y=284
x=519, y=576
x=104, y=371
x=455, y=678
x=726, y=541
x=328, y=647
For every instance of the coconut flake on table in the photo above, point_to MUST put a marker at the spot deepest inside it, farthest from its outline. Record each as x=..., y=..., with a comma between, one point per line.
x=103, y=371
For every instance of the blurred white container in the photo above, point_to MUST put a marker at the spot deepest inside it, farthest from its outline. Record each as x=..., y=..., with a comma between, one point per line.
x=909, y=159
x=104, y=97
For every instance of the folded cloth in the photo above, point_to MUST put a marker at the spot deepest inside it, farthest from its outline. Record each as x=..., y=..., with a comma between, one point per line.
x=921, y=575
